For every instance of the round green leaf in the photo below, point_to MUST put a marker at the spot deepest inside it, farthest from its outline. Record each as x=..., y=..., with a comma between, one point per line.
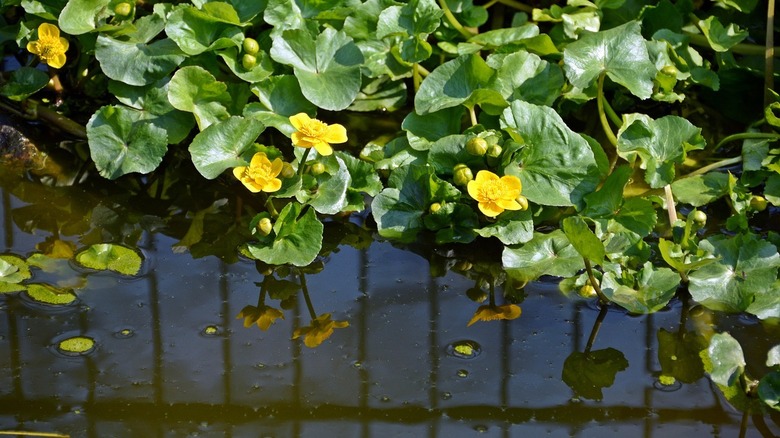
x=726, y=359
x=545, y=254
x=76, y=345
x=220, y=146
x=47, y=294
x=195, y=90
x=24, y=82
x=13, y=269
x=122, y=142
x=107, y=256
x=297, y=238
x=196, y=31
x=137, y=63
x=82, y=16
x=330, y=196
x=653, y=289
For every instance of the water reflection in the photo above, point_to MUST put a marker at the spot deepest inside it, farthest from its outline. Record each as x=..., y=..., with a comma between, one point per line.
x=560, y=369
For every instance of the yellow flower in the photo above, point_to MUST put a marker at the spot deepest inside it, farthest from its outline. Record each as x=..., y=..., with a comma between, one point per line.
x=495, y=194
x=314, y=133
x=264, y=316
x=50, y=47
x=494, y=313
x=320, y=329
x=261, y=174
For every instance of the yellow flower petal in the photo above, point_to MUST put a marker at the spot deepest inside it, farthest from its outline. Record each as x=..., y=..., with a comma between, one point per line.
x=48, y=30
x=33, y=48
x=494, y=313
x=323, y=148
x=335, y=134
x=300, y=120
x=58, y=61
x=490, y=209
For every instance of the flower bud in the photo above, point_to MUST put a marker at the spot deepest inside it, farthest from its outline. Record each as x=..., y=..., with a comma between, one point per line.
x=461, y=174
x=758, y=203
x=250, y=46
x=587, y=291
x=669, y=70
x=699, y=217
x=494, y=151
x=265, y=226
x=317, y=169
x=434, y=207
x=123, y=9
x=523, y=201
x=287, y=170
x=248, y=61
x=477, y=146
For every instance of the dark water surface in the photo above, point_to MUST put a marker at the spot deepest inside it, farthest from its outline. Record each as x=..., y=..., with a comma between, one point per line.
x=172, y=360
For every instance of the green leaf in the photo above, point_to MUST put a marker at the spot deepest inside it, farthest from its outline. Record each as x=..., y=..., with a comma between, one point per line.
x=653, y=289
x=328, y=68
x=773, y=356
x=525, y=76
x=423, y=130
x=363, y=176
x=13, y=269
x=449, y=151
x=76, y=345
x=466, y=80
x=678, y=354
x=701, y=190
x=497, y=38
x=122, y=142
x=721, y=38
x=196, y=31
x=195, y=90
x=24, y=82
x=544, y=163
x=746, y=271
x=263, y=69
x=48, y=294
x=296, y=238
x=619, y=52
x=583, y=240
x=660, y=144
x=511, y=228
x=107, y=256
x=589, y=373
x=545, y=254
x=772, y=189
x=766, y=302
x=726, y=358
x=740, y=5
x=330, y=195
x=82, y=16
x=137, y=63
x=413, y=18
x=606, y=202
x=221, y=145
x=769, y=390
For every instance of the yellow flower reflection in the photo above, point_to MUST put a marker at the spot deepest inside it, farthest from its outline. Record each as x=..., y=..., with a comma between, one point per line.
x=314, y=133
x=50, y=47
x=261, y=174
x=494, y=313
x=495, y=194
x=320, y=329
x=262, y=315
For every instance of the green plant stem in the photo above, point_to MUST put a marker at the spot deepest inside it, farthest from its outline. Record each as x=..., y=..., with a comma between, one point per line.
x=746, y=136
x=517, y=5
x=740, y=49
x=715, y=165
x=489, y=4
x=416, y=77
x=605, y=123
x=454, y=21
x=612, y=114
x=593, y=282
x=422, y=70
x=473, y=116
x=670, y=206
x=769, y=54
x=303, y=160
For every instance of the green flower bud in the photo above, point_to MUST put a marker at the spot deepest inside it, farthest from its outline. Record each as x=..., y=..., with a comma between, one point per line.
x=699, y=217
x=287, y=170
x=758, y=203
x=587, y=291
x=434, y=207
x=523, y=201
x=317, y=168
x=265, y=226
x=250, y=46
x=461, y=174
x=123, y=9
x=669, y=70
x=494, y=151
x=477, y=146
x=248, y=61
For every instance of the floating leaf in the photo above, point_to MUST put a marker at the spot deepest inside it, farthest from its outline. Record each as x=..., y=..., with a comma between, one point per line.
x=726, y=359
x=47, y=294
x=544, y=163
x=296, y=238
x=107, y=256
x=13, y=269
x=76, y=345
x=620, y=53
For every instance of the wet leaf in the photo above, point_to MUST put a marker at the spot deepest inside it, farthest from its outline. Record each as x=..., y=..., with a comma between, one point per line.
x=545, y=254
x=589, y=373
x=47, y=294
x=24, y=82
x=619, y=52
x=726, y=359
x=543, y=164
x=220, y=146
x=137, y=63
x=107, y=256
x=77, y=345
x=296, y=238
x=652, y=290
x=583, y=240
x=769, y=390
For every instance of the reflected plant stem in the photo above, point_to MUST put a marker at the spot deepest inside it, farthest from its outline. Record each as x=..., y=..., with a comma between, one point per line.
x=41, y=434
x=670, y=205
x=491, y=295
x=593, y=282
x=595, y=330
x=743, y=424
x=454, y=21
x=605, y=123
x=306, y=298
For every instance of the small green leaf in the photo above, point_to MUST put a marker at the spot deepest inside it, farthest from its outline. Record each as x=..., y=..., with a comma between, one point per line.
x=122, y=142
x=196, y=31
x=583, y=240
x=24, y=82
x=296, y=238
x=195, y=90
x=221, y=145
x=82, y=16
x=47, y=294
x=619, y=52
x=13, y=269
x=510, y=228
x=721, y=38
x=76, y=345
x=330, y=195
x=653, y=289
x=112, y=257
x=726, y=359
x=769, y=390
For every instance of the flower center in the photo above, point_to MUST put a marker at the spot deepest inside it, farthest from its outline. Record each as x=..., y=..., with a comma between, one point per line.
x=259, y=173
x=314, y=128
x=50, y=47
x=492, y=190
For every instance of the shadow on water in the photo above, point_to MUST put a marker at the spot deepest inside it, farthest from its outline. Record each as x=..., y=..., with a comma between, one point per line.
x=180, y=348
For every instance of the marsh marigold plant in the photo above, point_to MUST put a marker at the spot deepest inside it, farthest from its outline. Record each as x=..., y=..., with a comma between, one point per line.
x=320, y=329
x=261, y=315
x=312, y=133
x=50, y=46
x=492, y=312
x=261, y=174
x=495, y=194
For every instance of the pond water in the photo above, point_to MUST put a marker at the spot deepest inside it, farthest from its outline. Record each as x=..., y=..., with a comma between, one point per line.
x=171, y=358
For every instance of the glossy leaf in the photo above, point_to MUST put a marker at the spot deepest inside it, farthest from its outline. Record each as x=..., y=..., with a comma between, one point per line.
x=423, y=130
x=720, y=37
x=195, y=90
x=112, y=257
x=330, y=193
x=545, y=254
x=525, y=76
x=82, y=16
x=296, y=238
x=24, y=82
x=543, y=164
x=13, y=269
x=653, y=289
x=195, y=31
x=726, y=359
x=511, y=227
x=221, y=145
x=701, y=190
x=48, y=294
x=137, y=63
x=620, y=53
x=582, y=239
x=769, y=390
